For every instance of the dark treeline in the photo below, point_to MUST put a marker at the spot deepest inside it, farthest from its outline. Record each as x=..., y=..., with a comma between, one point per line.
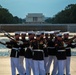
x=7, y=18
x=68, y=15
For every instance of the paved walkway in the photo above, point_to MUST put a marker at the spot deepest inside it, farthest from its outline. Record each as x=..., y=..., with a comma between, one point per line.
x=5, y=66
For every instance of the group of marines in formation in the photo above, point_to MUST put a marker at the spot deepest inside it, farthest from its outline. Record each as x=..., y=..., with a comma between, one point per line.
x=39, y=51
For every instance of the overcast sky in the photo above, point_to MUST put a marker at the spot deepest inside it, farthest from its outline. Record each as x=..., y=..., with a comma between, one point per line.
x=49, y=8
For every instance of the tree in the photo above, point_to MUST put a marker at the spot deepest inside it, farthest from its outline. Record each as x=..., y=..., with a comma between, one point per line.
x=48, y=20
x=68, y=15
x=7, y=18
x=0, y=6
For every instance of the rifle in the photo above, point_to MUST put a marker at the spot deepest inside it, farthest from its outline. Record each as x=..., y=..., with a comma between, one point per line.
x=7, y=34
x=10, y=37
x=67, y=42
x=70, y=40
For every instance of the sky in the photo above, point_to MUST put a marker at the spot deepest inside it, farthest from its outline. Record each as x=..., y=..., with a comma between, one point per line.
x=21, y=8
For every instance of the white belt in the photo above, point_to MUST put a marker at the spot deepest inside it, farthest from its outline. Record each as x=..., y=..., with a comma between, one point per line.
x=73, y=43
x=16, y=49
x=61, y=50
x=38, y=50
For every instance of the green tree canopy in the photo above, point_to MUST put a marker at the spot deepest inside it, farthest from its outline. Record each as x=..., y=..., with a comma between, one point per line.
x=7, y=18
x=68, y=15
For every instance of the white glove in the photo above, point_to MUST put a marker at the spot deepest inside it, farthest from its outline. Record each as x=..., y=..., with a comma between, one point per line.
x=30, y=47
x=65, y=45
x=20, y=42
x=45, y=45
x=25, y=49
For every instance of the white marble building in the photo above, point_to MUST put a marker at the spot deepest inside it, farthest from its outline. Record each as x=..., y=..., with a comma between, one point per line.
x=35, y=18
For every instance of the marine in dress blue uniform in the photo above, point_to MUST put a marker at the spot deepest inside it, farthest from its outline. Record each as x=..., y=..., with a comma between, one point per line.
x=15, y=55
x=38, y=56
x=22, y=49
x=68, y=42
x=28, y=54
x=52, y=53
x=61, y=54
